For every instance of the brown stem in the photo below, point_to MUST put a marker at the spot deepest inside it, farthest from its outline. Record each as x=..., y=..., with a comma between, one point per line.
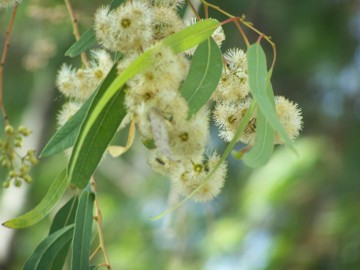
x=247, y=24
x=2, y=63
x=98, y=219
x=193, y=9
x=76, y=29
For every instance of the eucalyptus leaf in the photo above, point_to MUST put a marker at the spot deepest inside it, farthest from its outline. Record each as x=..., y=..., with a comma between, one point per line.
x=82, y=231
x=48, y=249
x=204, y=75
x=260, y=154
x=86, y=41
x=107, y=110
x=53, y=195
x=65, y=137
x=258, y=80
x=64, y=217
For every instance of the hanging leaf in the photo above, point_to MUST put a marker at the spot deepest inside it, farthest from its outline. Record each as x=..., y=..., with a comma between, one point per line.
x=116, y=151
x=260, y=154
x=65, y=137
x=53, y=195
x=64, y=217
x=48, y=249
x=88, y=39
x=82, y=231
x=258, y=80
x=191, y=36
x=204, y=75
x=107, y=110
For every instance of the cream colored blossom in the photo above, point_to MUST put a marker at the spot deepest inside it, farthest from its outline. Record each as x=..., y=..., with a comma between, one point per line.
x=9, y=3
x=127, y=28
x=190, y=175
x=228, y=115
x=290, y=118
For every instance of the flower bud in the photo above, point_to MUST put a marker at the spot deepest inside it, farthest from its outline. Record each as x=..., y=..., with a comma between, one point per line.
x=6, y=184
x=9, y=130
x=24, y=131
x=27, y=179
x=18, y=183
x=12, y=174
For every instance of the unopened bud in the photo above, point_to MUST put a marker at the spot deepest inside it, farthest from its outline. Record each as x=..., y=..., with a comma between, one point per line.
x=12, y=174
x=33, y=160
x=24, y=131
x=6, y=184
x=9, y=130
x=27, y=179
x=18, y=183
x=18, y=143
x=24, y=169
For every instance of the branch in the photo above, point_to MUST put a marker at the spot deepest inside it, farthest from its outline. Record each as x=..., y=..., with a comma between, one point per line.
x=76, y=29
x=2, y=63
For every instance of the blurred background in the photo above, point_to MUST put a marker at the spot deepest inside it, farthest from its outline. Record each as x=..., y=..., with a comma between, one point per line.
x=295, y=213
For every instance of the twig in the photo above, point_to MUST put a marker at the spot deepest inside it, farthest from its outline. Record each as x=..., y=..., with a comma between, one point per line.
x=76, y=29
x=247, y=24
x=194, y=10
x=98, y=219
x=2, y=63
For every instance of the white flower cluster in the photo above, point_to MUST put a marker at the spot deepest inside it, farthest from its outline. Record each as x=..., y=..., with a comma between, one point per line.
x=9, y=3
x=154, y=102
x=233, y=100
x=153, y=99
x=78, y=85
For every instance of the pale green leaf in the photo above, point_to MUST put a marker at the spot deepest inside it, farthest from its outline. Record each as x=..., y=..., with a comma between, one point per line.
x=257, y=72
x=260, y=154
x=204, y=75
x=53, y=195
x=82, y=231
x=48, y=249
x=86, y=41
x=64, y=217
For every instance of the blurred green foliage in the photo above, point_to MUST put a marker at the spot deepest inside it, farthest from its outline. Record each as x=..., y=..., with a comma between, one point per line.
x=295, y=213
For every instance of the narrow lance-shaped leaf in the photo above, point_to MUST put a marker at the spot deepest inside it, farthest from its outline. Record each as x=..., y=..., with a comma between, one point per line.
x=53, y=195
x=48, y=249
x=82, y=231
x=260, y=154
x=65, y=137
x=64, y=217
x=88, y=39
x=106, y=111
x=204, y=75
x=257, y=71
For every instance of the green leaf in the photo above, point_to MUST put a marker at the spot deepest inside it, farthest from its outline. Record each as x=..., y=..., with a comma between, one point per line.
x=53, y=195
x=64, y=217
x=191, y=36
x=204, y=75
x=82, y=231
x=88, y=39
x=48, y=249
x=65, y=137
x=107, y=111
x=83, y=164
x=260, y=154
x=258, y=80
